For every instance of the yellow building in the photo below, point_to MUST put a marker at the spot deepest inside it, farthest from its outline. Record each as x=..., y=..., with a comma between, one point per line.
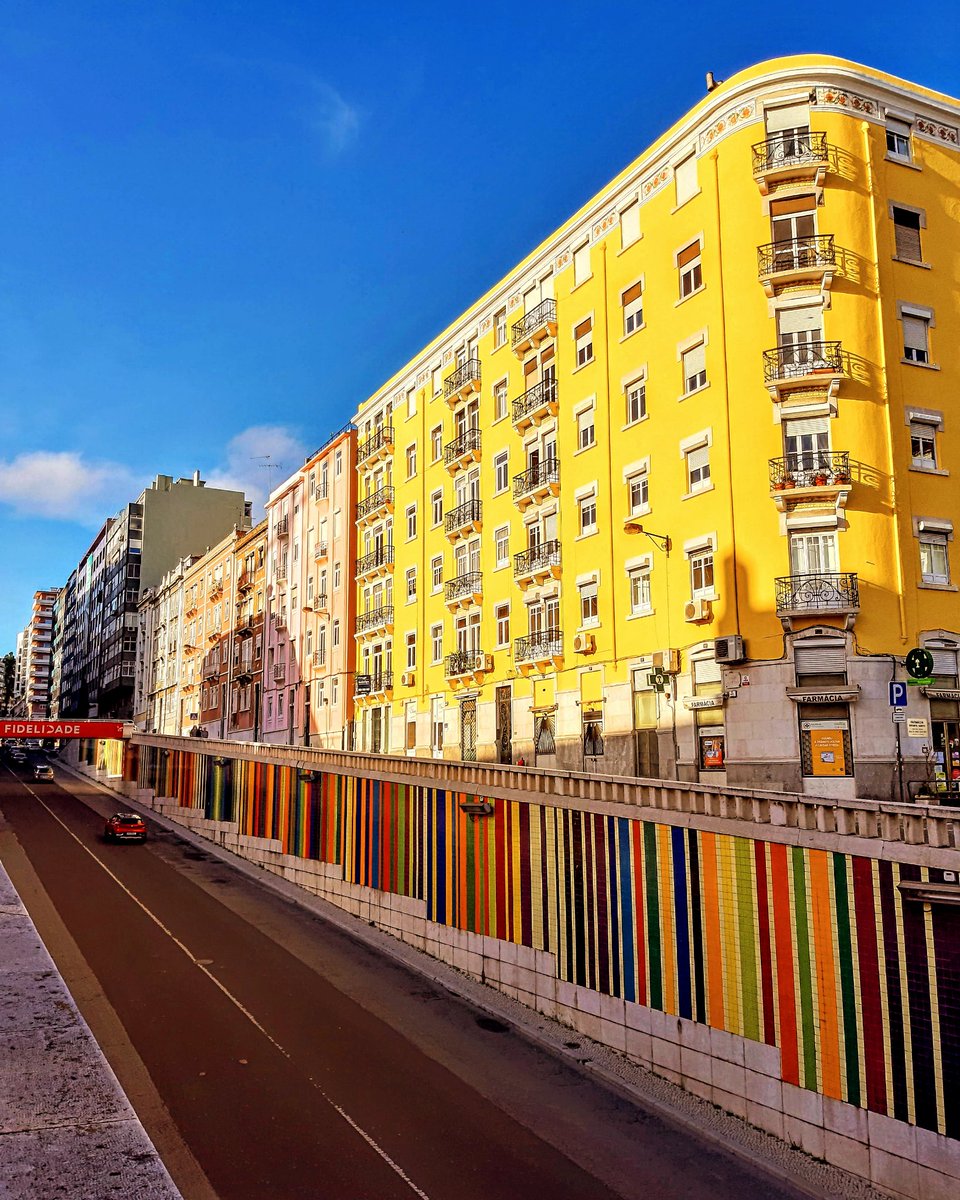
x=668, y=497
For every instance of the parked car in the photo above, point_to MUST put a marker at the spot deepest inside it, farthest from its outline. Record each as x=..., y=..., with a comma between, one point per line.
x=125, y=827
x=43, y=773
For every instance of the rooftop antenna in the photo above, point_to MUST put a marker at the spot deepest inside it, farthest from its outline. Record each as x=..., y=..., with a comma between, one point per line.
x=269, y=465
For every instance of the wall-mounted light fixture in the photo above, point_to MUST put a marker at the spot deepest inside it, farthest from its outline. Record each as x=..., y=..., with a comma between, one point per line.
x=164, y=753
x=307, y=775
x=659, y=539
x=477, y=808
x=220, y=761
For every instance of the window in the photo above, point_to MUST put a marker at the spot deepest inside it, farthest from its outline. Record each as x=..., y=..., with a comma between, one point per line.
x=336, y=577
x=638, y=489
x=934, y=564
x=336, y=634
x=435, y=379
x=411, y=460
x=502, y=543
x=499, y=328
x=698, y=468
x=588, y=603
x=923, y=445
x=587, y=510
x=322, y=646
x=636, y=394
x=701, y=573
x=639, y=577
x=436, y=443
x=685, y=178
x=916, y=337
x=338, y=464
x=411, y=522
x=411, y=402
x=334, y=690
x=500, y=400
x=436, y=573
x=583, y=336
x=411, y=578
x=436, y=642
x=694, y=363
x=629, y=224
x=906, y=233
x=502, y=616
x=586, y=430
x=581, y=264
x=691, y=270
x=411, y=642
x=632, y=302
x=436, y=507
x=898, y=139
x=501, y=470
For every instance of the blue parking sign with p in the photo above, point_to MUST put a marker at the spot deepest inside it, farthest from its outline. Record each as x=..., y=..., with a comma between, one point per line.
x=898, y=694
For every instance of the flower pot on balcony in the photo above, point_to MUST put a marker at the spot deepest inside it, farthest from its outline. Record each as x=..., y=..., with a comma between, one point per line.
x=820, y=479
x=789, y=482
x=779, y=485
x=841, y=477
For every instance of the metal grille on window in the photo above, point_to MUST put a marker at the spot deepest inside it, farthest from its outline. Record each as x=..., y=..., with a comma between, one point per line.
x=543, y=739
x=592, y=738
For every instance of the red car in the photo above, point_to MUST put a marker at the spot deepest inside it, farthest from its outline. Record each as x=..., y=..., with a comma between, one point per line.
x=125, y=827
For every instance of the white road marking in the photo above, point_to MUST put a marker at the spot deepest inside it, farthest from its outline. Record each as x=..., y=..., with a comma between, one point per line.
x=199, y=964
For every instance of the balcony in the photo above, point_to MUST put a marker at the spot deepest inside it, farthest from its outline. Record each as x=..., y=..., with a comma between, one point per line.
x=375, y=506
x=535, y=405
x=818, y=594
x=244, y=582
x=541, y=651
x=279, y=620
x=538, y=564
x=797, y=262
x=279, y=672
x=463, y=590
x=376, y=622
x=191, y=609
x=802, y=367
x=217, y=589
x=462, y=383
x=244, y=626
x=320, y=551
x=537, y=325
x=320, y=491
x=463, y=520
x=280, y=570
x=211, y=670
x=820, y=476
x=537, y=484
x=792, y=159
x=319, y=658
x=322, y=604
x=244, y=672
x=463, y=451
x=377, y=446
x=467, y=667
x=377, y=562
x=381, y=682
x=282, y=527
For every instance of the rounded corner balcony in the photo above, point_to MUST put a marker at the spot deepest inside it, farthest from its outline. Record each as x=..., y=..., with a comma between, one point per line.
x=537, y=564
x=377, y=562
x=375, y=448
x=803, y=367
x=466, y=667
x=540, y=652
x=535, y=405
x=463, y=591
x=464, y=520
x=534, y=328
x=464, y=381
x=375, y=507
x=799, y=262
x=537, y=484
x=375, y=623
x=818, y=594
x=821, y=476
x=463, y=451
x=791, y=159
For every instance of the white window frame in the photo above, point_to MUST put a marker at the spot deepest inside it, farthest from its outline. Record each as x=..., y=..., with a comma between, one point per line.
x=436, y=643
x=636, y=386
x=583, y=345
x=923, y=319
x=436, y=574
x=586, y=499
x=632, y=309
x=501, y=472
x=410, y=584
x=699, y=378
x=499, y=328
x=502, y=535
x=501, y=390
x=411, y=518
x=411, y=460
x=436, y=507
x=581, y=263
x=586, y=410
x=629, y=224
x=898, y=134
x=637, y=570
x=685, y=181
x=501, y=620
x=436, y=443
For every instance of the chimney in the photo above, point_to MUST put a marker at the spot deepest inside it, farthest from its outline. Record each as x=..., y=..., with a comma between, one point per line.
x=711, y=82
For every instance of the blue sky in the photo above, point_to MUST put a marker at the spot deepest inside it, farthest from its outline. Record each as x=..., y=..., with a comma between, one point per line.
x=223, y=225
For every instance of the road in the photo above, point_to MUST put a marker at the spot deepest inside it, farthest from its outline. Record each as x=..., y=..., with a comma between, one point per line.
x=295, y=1062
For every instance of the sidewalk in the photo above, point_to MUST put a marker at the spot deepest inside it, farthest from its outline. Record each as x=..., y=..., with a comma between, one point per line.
x=66, y=1128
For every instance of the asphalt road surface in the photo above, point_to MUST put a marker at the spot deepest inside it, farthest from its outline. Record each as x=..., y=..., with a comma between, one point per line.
x=294, y=1062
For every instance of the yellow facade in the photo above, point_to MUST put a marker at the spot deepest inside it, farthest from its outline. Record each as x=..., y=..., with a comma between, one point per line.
x=727, y=385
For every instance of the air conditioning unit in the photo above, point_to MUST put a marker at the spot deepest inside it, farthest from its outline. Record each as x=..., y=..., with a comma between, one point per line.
x=666, y=660
x=729, y=649
x=407, y=678
x=584, y=643
x=698, y=610
x=487, y=662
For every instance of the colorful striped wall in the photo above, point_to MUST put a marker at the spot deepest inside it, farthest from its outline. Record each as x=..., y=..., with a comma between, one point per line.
x=814, y=952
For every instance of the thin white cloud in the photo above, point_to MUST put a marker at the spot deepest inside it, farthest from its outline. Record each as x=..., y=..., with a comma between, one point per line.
x=64, y=486
x=332, y=117
x=257, y=460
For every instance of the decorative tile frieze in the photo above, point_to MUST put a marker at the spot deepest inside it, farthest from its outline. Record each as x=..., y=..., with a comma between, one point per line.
x=514, y=300
x=423, y=377
x=605, y=225
x=829, y=97
x=448, y=356
x=562, y=260
x=485, y=326
x=728, y=122
x=935, y=131
x=651, y=186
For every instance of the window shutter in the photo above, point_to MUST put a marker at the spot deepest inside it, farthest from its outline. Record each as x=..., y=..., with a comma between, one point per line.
x=546, y=356
x=529, y=367
x=685, y=178
x=809, y=425
x=630, y=223
x=898, y=127
x=914, y=333
x=583, y=328
x=698, y=458
x=797, y=204
x=694, y=360
x=789, y=116
x=706, y=670
x=820, y=660
x=581, y=263
x=631, y=294
x=688, y=254
x=906, y=232
x=800, y=320
x=944, y=661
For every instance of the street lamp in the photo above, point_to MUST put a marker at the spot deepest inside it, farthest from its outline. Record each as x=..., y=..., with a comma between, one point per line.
x=661, y=540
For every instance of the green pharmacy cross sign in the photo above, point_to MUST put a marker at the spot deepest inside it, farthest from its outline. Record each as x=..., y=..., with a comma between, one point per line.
x=919, y=663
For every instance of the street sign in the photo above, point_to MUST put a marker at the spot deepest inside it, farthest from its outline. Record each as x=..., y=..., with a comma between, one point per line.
x=918, y=727
x=919, y=662
x=897, y=693
x=899, y=716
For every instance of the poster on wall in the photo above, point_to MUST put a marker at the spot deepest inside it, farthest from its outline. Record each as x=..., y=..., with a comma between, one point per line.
x=827, y=753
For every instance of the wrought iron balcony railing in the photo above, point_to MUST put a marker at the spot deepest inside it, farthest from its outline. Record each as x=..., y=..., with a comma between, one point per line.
x=279, y=671
x=541, y=395
x=792, y=147
x=380, y=557
x=468, y=373
x=377, y=618
x=818, y=591
x=381, y=681
x=282, y=527
x=463, y=585
x=462, y=515
x=320, y=550
x=797, y=254
x=380, y=439
x=466, y=443
x=802, y=358
x=544, y=314
x=381, y=498
x=810, y=468
x=464, y=662
x=542, y=475
x=548, y=643
x=537, y=558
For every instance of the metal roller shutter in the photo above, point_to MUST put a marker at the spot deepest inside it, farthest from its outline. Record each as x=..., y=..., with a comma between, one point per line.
x=820, y=660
